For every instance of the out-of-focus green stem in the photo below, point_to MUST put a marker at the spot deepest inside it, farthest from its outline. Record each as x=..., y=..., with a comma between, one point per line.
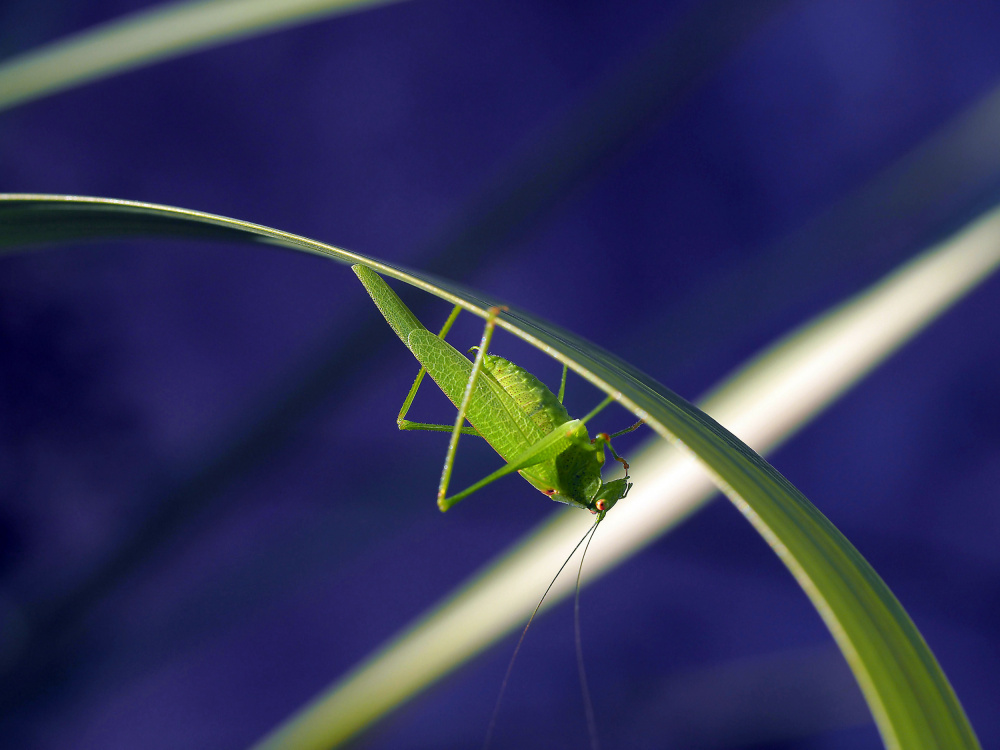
x=151, y=35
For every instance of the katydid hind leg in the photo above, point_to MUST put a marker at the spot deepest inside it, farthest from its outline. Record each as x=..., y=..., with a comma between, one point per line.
x=598, y=409
x=546, y=448
x=477, y=367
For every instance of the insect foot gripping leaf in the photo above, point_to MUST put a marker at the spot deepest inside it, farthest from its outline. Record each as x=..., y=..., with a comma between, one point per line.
x=508, y=407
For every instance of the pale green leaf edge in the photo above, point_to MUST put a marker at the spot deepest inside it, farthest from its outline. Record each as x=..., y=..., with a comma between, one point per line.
x=151, y=35
x=909, y=696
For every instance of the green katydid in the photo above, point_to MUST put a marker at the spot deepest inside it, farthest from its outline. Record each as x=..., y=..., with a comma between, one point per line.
x=522, y=420
x=507, y=406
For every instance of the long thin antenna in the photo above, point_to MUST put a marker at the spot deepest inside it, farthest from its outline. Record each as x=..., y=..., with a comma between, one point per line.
x=588, y=704
x=517, y=648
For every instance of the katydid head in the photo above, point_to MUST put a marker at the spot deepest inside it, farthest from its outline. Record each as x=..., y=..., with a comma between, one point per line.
x=609, y=494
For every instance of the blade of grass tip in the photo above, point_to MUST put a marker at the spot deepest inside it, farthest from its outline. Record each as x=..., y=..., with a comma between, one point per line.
x=151, y=35
x=766, y=403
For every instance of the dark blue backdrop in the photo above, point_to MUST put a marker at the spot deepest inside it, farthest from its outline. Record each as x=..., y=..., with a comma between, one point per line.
x=205, y=516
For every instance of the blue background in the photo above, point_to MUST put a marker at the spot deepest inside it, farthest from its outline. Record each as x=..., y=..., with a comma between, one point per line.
x=206, y=512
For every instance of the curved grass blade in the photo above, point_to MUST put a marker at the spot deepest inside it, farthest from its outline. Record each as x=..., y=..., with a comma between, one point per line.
x=148, y=36
x=766, y=402
x=911, y=700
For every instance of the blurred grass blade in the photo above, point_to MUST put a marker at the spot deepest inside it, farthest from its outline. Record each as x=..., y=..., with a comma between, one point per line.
x=910, y=698
x=151, y=35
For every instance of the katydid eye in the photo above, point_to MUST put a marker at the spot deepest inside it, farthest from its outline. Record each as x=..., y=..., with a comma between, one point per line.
x=550, y=493
x=601, y=504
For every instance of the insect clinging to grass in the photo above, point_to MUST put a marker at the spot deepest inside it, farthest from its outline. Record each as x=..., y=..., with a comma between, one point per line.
x=522, y=420
x=507, y=406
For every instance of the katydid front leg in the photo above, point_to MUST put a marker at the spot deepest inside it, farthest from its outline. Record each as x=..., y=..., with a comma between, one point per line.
x=604, y=438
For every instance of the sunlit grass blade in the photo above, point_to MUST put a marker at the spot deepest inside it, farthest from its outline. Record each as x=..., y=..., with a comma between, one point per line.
x=910, y=698
x=766, y=402
x=150, y=35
